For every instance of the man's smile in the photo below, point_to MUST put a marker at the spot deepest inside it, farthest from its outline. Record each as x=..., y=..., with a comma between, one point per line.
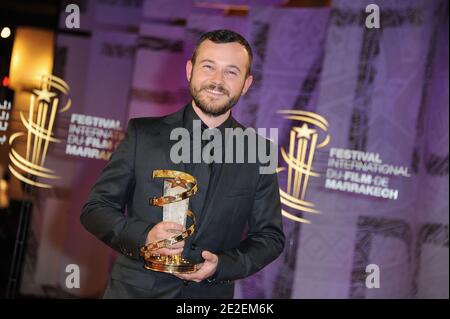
x=214, y=93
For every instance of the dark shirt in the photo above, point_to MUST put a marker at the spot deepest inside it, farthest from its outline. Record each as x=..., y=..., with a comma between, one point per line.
x=189, y=116
x=207, y=175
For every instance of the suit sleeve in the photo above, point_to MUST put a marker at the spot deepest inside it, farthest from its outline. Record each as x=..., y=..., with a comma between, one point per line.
x=103, y=214
x=265, y=239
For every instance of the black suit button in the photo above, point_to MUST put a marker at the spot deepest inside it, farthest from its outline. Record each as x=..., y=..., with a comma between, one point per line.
x=193, y=247
x=185, y=282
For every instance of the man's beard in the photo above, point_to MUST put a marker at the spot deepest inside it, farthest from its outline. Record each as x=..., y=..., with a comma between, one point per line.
x=206, y=107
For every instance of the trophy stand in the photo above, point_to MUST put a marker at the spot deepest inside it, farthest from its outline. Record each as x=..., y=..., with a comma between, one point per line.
x=175, y=203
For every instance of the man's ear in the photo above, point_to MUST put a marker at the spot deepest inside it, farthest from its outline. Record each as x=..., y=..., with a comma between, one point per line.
x=189, y=70
x=247, y=84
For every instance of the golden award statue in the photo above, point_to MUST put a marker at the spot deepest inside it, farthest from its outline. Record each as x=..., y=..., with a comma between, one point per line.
x=175, y=203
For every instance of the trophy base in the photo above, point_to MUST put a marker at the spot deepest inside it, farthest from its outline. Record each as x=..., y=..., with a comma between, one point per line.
x=170, y=264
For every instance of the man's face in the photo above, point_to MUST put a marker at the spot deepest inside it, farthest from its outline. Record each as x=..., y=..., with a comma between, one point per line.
x=219, y=76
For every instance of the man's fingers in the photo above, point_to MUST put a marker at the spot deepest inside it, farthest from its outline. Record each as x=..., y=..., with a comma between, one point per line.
x=199, y=266
x=204, y=270
x=178, y=245
x=194, y=276
x=161, y=234
x=167, y=230
x=191, y=277
x=172, y=227
x=168, y=251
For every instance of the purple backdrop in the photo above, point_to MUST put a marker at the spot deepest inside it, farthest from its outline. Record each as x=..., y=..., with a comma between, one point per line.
x=381, y=90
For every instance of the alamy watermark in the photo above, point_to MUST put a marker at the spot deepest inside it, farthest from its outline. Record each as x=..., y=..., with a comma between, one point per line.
x=73, y=278
x=237, y=146
x=73, y=18
x=373, y=18
x=373, y=277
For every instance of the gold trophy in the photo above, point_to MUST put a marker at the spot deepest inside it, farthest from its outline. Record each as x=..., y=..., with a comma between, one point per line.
x=175, y=203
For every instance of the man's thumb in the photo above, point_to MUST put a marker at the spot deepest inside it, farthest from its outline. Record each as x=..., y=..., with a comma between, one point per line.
x=207, y=255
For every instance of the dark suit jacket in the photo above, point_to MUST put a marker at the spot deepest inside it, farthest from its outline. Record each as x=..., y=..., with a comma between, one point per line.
x=244, y=199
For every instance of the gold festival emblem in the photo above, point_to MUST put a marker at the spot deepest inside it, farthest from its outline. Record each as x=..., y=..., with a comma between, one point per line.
x=303, y=143
x=175, y=202
x=43, y=107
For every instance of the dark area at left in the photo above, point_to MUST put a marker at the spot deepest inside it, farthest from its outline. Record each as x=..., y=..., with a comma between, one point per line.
x=13, y=215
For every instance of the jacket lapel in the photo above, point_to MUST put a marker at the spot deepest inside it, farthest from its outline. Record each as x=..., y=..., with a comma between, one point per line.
x=171, y=122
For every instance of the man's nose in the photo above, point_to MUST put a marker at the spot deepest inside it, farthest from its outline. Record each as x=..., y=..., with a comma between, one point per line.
x=217, y=77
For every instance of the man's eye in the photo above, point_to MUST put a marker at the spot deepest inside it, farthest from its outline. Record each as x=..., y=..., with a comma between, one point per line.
x=207, y=67
x=232, y=73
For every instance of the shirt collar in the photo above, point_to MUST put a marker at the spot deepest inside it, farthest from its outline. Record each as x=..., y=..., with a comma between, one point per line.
x=190, y=115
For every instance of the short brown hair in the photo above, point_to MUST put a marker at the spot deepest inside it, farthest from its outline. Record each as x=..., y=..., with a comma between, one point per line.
x=225, y=36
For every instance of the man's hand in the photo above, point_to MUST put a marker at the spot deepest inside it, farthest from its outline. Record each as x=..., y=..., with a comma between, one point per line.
x=206, y=269
x=164, y=230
